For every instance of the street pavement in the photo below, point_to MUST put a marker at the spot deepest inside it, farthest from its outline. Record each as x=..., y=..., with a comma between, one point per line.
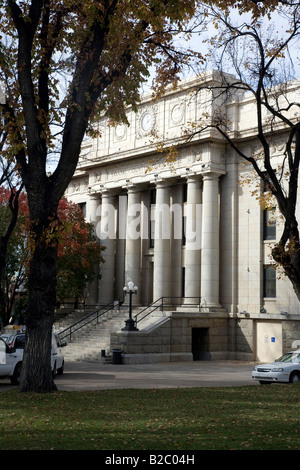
x=99, y=376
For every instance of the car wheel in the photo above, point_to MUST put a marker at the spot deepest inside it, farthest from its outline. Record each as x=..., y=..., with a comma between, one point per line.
x=16, y=377
x=60, y=370
x=294, y=378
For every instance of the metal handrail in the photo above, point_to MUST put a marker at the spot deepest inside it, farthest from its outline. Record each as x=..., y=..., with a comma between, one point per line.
x=155, y=307
x=86, y=320
x=162, y=303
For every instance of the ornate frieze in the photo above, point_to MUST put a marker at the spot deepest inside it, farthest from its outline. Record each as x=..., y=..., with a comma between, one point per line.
x=276, y=148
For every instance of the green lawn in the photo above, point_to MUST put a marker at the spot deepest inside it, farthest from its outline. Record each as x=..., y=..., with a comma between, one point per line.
x=241, y=418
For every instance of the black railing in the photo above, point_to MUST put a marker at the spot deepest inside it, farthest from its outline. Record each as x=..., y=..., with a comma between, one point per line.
x=93, y=316
x=168, y=303
x=81, y=305
x=162, y=304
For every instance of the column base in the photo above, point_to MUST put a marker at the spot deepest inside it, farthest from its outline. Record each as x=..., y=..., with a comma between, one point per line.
x=130, y=325
x=212, y=308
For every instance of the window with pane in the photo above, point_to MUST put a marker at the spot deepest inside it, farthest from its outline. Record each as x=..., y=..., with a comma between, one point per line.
x=270, y=224
x=2, y=352
x=82, y=206
x=269, y=281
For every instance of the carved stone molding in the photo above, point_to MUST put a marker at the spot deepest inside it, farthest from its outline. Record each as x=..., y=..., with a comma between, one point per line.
x=177, y=114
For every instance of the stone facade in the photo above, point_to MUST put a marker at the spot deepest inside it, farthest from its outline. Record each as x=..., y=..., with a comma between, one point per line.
x=187, y=229
x=181, y=337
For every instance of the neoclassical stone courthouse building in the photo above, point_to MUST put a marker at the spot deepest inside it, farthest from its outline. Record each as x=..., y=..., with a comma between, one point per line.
x=187, y=231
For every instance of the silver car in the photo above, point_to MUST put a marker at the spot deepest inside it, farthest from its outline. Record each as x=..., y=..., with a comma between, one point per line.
x=284, y=369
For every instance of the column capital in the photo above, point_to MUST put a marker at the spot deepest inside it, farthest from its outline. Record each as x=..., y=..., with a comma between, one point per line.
x=212, y=174
x=131, y=187
x=107, y=192
x=93, y=196
x=162, y=182
x=195, y=178
x=191, y=175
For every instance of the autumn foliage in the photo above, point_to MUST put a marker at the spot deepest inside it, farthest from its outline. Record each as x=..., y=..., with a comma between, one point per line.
x=78, y=252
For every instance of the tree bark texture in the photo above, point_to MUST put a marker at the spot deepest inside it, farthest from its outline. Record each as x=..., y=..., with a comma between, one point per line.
x=36, y=369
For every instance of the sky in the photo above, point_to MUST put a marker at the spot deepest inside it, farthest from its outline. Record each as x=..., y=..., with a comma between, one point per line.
x=196, y=43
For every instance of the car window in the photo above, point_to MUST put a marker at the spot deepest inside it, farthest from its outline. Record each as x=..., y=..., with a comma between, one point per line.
x=285, y=358
x=55, y=341
x=2, y=351
x=7, y=338
x=289, y=357
x=20, y=342
x=296, y=358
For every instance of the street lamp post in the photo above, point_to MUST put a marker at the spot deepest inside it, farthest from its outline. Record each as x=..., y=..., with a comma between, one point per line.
x=130, y=290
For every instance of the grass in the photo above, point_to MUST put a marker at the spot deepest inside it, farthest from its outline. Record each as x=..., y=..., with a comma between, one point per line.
x=228, y=418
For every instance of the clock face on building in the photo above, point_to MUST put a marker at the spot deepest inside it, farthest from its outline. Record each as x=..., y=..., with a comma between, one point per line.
x=147, y=121
x=120, y=131
x=177, y=114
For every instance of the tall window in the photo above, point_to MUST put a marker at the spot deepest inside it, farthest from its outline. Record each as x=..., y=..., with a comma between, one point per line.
x=270, y=224
x=82, y=206
x=269, y=277
x=183, y=282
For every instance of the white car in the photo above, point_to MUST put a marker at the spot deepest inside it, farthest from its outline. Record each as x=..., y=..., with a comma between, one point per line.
x=11, y=356
x=10, y=362
x=284, y=369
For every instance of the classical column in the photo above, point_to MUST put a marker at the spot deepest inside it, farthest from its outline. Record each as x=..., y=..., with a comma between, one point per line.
x=162, y=255
x=229, y=236
x=93, y=217
x=193, y=239
x=133, y=240
x=92, y=212
x=107, y=237
x=176, y=240
x=121, y=208
x=210, y=241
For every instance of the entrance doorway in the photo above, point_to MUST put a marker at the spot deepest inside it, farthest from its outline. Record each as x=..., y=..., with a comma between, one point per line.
x=200, y=344
x=150, y=282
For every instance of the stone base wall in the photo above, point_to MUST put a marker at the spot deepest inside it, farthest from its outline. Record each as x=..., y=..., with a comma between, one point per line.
x=228, y=337
x=291, y=335
x=170, y=339
x=244, y=330
x=245, y=339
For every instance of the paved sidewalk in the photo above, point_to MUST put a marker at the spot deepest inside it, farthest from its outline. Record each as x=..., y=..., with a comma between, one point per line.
x=97, y=376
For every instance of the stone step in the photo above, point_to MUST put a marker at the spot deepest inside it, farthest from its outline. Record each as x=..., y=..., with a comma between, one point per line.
x=92, y=340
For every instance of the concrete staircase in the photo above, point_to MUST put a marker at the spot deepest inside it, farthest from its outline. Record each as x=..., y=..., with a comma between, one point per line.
x=92, y=342
x=87, y=343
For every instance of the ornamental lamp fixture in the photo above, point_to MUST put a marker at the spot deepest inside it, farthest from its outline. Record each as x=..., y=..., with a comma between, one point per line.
x=130, y=289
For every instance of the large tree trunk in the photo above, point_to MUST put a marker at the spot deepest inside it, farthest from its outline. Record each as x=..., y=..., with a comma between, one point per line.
x=36, y=370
